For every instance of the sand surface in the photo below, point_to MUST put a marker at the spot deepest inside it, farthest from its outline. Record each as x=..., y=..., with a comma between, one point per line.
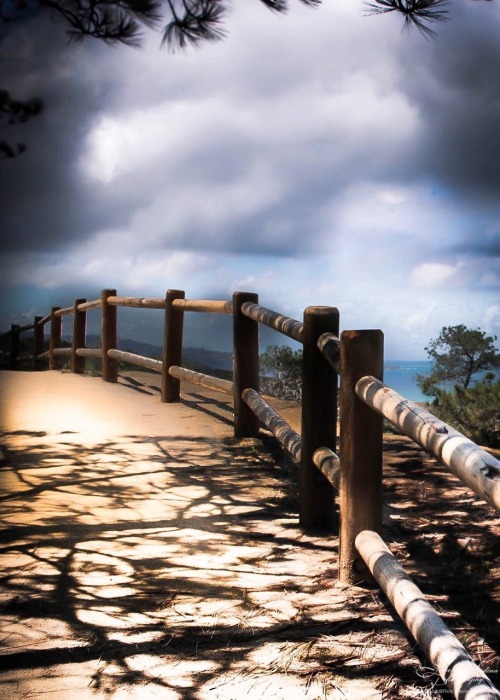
x=147, y=554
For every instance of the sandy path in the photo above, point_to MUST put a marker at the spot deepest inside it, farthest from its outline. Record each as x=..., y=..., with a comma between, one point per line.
x=146, y=554
x=58, y=402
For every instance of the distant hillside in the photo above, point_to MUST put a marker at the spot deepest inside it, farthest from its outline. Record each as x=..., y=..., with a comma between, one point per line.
x=209, y=358
x=194, y=357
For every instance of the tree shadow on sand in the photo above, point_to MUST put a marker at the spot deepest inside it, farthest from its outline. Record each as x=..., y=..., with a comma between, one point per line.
x=448, y=540
x=177, y=564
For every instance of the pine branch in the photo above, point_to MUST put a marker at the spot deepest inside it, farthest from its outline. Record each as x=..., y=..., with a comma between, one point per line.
x=17, y=111
x=416, y=13
x=193, y=22
x=112, y=21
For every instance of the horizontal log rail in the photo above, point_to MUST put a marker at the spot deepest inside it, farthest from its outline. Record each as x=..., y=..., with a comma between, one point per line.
x=26, y=327
x=355, y=474
x=43, y=321
x=203, y=306
x=136, y=302
x=133, y=359
x=18, y=329
x=64, y=312
x=283, y=324
x=475, y=467
x=283, y=432
x=23, y=358
x=61, y=352
x=329, y=344
x=206, y=380
x=329, y=465
x=465, y=679
x=91, y=353
x=88, y=305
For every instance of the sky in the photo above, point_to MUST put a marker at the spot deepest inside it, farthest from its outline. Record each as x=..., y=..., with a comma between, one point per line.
x=324, y=157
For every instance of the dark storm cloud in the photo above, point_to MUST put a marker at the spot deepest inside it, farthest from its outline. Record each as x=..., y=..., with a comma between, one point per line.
x=322, y=157
x=269, y=137
x=482, y=244
x=45, y=205
x=50, y=205
x=456, y=86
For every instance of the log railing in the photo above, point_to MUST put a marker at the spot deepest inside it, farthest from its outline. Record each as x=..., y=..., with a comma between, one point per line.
x=465, y=679
x=365, y=401
x=475, y=467
x=355, y=474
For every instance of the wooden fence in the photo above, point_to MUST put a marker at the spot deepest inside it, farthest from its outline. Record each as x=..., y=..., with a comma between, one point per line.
x=354, y=475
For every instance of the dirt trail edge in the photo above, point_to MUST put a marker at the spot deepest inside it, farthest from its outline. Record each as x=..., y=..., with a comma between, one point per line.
x=145, y=553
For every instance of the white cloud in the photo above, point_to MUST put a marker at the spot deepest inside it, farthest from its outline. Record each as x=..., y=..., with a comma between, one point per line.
x=491, y=319
x=166, y=132
x=318, y=158
x=147, y=273
x=434, y=275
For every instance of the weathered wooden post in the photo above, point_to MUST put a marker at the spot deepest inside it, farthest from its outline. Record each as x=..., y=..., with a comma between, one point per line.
x=55, y=338
x=319, y=419
x=172, y=346
x=79, y=331
x=14, y=345
x=245, y=364
x=38, y=333
x=361, y=442
x=109, y=336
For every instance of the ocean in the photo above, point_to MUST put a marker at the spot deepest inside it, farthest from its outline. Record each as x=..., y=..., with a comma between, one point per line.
x=400, y=376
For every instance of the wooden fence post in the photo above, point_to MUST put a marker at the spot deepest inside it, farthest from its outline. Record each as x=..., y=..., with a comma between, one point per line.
x=14, y=345
x=361, y=443
x=245, y=364
x=55, y=338
x=319, y=419
x=109, y=336
x=79, y=331
x=172, y=346
x=38, y=333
